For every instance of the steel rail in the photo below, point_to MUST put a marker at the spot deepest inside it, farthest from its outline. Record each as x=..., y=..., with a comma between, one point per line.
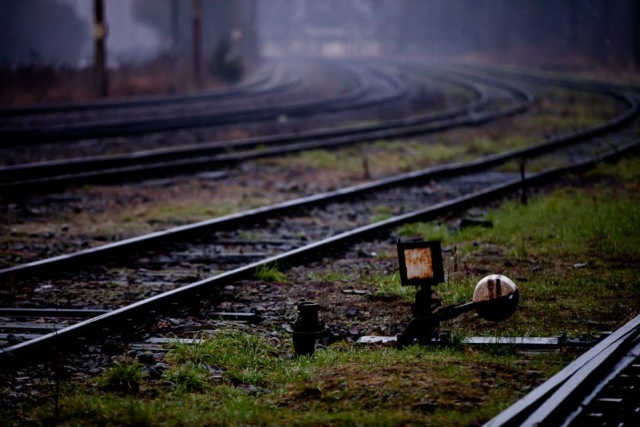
x=558, y=399
x=137, y=126
x=91, y=164
x=265, y=84
x=602, y=85
x=111, y=250
x=69, y=338
x=49, y=312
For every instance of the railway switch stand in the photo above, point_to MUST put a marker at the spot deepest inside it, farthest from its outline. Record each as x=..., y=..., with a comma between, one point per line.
x=495, y=297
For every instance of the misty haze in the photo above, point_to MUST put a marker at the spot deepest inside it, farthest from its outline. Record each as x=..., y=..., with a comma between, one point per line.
x=53, y=39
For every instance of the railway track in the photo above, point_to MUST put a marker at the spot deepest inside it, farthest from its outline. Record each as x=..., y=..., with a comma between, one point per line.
x=600, y=388
x=326, y=222
x=190, y=273
x=268, y=80
x=153, y=118
x=46, y=176
x=574, y=82
x=21, y=179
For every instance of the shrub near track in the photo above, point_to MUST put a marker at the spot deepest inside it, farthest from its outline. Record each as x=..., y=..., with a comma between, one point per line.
x=573, y=252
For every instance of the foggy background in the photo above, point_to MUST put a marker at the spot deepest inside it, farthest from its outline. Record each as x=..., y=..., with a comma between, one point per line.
x=587, y=31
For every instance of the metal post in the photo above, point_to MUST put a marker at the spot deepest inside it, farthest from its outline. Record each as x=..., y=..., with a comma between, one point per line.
x=251, y=32
x=100, y=54
x=237, y=35
x=175, y=28
x=307, y=329
x=523, y=186
x=197, y=17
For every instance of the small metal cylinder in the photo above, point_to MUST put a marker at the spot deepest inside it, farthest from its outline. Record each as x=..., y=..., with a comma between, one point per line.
x=307, y=328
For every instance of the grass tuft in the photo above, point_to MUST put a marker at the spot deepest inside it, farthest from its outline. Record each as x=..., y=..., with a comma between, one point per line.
x=270, y=273
x=188, y=377
x=123, y=377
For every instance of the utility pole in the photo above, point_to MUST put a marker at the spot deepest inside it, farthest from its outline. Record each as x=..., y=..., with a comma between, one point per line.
x=175, y=28
x=100, y=54
x=197, y=17
x=237, y=28
x=252, y=32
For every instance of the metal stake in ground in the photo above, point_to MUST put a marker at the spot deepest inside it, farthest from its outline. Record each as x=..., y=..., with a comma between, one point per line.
x=307, y=328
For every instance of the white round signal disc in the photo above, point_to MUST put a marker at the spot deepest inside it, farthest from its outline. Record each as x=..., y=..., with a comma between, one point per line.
x=492, y=287
x=497, y=297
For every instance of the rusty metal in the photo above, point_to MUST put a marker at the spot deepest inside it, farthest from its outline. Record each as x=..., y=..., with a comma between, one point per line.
x=307, y=328
x=420, y=263
x=495, y=297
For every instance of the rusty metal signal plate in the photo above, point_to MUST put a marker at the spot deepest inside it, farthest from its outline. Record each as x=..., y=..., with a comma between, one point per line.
x=420, y=263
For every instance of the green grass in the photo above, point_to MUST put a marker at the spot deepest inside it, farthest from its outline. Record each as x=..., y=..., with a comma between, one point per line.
x=189, y=212
x=189, y=377
x=270, y=273
x=426, y=231
x=382, y=157
x=381, y=212
x=567, y=221
x=330, y=276
x=123, y=377
x=389, y=287
x=339, y=386
x=245, y=358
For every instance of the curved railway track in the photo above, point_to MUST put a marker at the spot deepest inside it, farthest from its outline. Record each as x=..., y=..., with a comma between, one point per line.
x=361, y=95
x=20, y=179
x=270, y=82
